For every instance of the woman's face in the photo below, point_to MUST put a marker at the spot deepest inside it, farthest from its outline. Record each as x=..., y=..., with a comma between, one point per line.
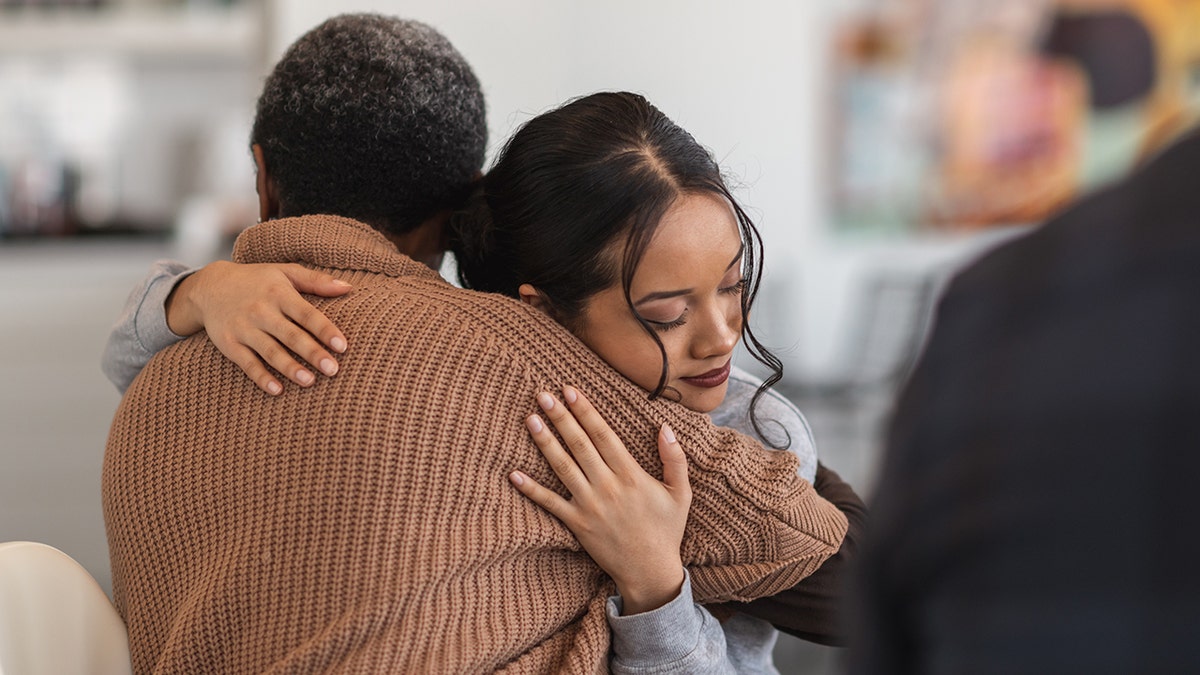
x=688, y=287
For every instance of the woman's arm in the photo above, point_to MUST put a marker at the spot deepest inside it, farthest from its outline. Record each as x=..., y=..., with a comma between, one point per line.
x=253, y=313
x=141, y=329
x=631, y=524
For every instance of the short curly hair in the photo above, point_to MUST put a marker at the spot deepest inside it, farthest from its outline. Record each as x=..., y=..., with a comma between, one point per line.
x=372, y=117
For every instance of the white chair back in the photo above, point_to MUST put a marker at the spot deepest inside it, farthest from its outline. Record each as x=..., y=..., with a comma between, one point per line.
x=54, y=617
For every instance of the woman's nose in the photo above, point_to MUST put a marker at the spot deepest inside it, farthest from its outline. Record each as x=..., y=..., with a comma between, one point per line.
x=718, y=335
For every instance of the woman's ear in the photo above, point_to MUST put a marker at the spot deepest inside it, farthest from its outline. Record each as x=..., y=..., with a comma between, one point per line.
x=268, y=200
x=533, y=297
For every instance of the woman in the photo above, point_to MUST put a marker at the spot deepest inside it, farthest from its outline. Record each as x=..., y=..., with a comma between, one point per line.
x=616, y=223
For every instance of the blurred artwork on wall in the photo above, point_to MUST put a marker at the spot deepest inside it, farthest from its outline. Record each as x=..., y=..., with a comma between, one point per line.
x=962, y=114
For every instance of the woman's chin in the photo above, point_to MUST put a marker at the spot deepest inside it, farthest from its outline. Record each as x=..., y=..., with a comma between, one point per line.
x=702, y=399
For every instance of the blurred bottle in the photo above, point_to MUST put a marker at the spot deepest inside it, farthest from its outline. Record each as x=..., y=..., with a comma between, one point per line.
x=42, y=192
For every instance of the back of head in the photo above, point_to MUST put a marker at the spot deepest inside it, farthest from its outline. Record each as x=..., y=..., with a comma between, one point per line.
x=374, y=118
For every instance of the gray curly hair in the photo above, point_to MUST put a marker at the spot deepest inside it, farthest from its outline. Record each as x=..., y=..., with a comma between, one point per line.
x=374, y=118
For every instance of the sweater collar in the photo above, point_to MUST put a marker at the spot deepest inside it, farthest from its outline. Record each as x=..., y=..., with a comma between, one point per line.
x=330, y=242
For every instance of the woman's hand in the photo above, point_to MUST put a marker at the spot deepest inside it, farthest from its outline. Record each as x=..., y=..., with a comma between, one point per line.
x=255, y=313
x=629, y=522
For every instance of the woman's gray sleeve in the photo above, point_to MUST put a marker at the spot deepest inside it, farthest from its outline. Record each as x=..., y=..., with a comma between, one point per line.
x=679, y=637
x=141, y=330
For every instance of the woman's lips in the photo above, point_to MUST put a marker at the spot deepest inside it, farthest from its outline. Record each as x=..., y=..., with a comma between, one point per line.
x=713, y=378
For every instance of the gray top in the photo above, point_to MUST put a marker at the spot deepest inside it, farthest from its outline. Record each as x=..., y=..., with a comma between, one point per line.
x=679, y=637
x=141, y=330
x=778, y=418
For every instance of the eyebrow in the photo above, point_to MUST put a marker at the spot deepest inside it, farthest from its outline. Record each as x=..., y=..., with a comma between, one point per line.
x=663, y=295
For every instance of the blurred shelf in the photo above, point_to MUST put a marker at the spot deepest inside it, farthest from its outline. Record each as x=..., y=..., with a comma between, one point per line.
x=171, y=32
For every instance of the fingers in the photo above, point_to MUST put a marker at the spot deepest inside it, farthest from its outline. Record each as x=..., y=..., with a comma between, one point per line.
x=547, y=499
x=294, y=329
x=603, y=438
x=312, y=281
x=310, y=318
x=560, y=460
x=576, y=438
x=250, y=352
x=248, y=361
x=268, y=347
x=315, y=323
x=675, y=467
x=259, y=308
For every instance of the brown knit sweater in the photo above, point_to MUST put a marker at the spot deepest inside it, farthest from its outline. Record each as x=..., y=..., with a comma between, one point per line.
x=367, y=525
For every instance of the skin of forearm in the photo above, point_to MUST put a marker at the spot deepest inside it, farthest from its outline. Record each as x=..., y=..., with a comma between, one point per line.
x=183, y=316
x=646, y=594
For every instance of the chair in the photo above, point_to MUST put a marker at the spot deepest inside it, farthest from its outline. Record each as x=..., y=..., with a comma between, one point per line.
x=54, y=617
x=849, y=414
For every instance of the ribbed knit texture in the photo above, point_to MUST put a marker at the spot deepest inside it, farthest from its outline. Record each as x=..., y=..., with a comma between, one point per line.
x=367, y=524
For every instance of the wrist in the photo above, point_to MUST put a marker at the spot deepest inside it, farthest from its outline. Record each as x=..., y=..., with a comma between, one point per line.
x=182, y=313
x=649, y=592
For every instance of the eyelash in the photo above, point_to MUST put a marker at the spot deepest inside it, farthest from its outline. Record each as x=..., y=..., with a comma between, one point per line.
x=735, y=289
x=664, y=326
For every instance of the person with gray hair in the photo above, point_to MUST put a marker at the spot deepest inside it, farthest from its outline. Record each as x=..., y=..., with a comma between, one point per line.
x=371, y=117
x=250, y=533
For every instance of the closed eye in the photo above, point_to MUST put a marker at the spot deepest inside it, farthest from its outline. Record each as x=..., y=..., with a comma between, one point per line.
x=664, y=326
x=735, y=289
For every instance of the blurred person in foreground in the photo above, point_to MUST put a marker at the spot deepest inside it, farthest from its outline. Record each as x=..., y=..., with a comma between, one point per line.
x=1033, y=513
x=364, y=524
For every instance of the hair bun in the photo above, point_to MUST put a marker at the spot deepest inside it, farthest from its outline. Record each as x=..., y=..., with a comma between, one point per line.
x=473, y=239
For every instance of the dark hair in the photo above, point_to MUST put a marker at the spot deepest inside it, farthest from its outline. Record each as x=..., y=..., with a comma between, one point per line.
x=374, y=118
x=567, y=185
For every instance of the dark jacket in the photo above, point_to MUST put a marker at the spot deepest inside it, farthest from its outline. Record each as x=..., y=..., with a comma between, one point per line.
x=1035, y=510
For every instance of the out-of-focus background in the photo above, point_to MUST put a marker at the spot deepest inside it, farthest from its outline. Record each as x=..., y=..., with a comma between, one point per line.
x=879, y=145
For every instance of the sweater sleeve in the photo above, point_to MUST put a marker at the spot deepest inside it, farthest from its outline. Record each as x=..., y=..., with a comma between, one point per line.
x=755, y=528
x=141, y=330
x=812, y=610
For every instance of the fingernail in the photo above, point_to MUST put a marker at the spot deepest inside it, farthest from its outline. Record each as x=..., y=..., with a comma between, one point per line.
x=534, y=423
x=668, y=433
x=339, y=282
x=329, y=366
x=516, y=478
x=274, y=388
x=546, y=401
x=304, y=377
x=338, y=344
x=569, y=394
